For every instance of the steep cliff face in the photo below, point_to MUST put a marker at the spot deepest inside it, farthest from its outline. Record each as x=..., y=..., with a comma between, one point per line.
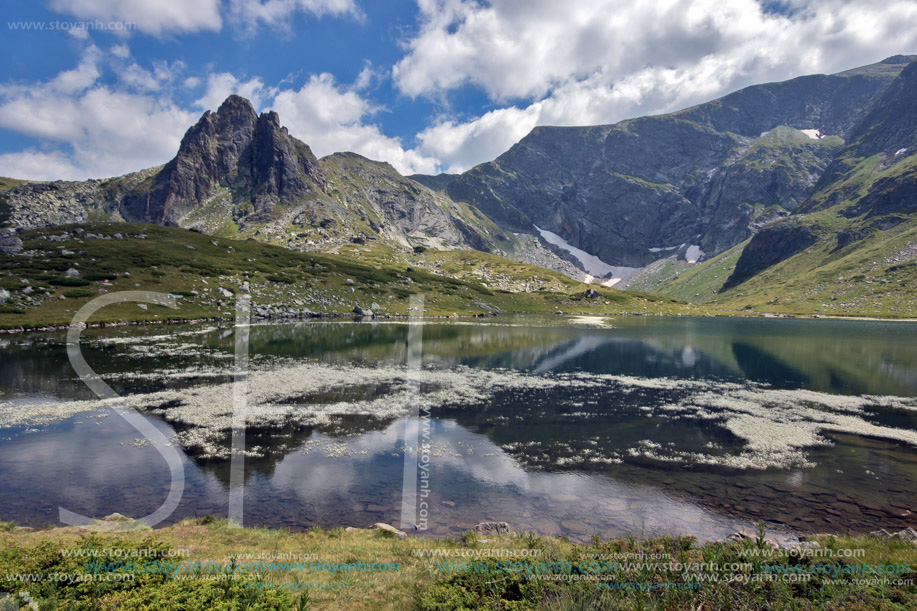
x=769, y=180
x=252, y=156
x=871, y=183
x=710, y=175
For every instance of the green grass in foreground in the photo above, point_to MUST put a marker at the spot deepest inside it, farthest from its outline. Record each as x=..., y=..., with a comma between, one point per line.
x=191, y=266
x=428, y=573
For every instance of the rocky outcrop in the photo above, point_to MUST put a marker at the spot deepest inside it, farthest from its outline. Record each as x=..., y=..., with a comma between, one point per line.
x=770, y=246
x=395, y=208
x=769, y=180
x=251, y=156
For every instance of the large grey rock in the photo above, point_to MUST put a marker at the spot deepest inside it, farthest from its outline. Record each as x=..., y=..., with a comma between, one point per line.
x=361, y=312
x=10, y=243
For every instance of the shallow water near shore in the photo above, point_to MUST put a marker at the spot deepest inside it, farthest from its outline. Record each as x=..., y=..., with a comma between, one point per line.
x=566, y=426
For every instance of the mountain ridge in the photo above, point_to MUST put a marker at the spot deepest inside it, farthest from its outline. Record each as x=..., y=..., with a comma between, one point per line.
x=647, y=197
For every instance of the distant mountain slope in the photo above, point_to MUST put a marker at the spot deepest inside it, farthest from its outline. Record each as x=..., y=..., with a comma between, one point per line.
x=710, y=175
x=850, y=248
x=436, y=182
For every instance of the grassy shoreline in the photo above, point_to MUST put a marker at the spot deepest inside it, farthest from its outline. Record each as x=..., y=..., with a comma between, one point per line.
x=206, y=563
x=61, y=268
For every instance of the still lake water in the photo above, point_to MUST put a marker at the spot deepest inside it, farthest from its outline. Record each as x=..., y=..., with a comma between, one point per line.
x=574, y=426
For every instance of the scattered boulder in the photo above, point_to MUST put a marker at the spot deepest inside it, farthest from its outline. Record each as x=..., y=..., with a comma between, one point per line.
x=488, y=308
x=245, y=288
x=774, y=540
x=382, y=526
x=361, y=312
x=907, y=534
x=224, y=293
x=116, y=522
x=72, y=272
x=493, y=528
x=10, y=243
x=4, y=295
x=349, y=281
x=591, y=294
x=142, y=306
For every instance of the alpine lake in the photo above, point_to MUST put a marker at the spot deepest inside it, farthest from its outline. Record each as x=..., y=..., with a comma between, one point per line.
x=563, y=425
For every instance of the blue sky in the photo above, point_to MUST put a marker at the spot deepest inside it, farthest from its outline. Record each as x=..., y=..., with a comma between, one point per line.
x=428, y=85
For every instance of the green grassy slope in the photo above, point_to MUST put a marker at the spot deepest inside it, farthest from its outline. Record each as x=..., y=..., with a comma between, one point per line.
x=864, y=261
x=192, y=266
x=9, y=183
x=875, y=276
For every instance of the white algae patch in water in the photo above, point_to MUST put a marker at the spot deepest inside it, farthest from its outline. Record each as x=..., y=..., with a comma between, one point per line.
x=775, y=426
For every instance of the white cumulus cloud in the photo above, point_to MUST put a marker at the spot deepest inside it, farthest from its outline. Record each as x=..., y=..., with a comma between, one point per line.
x=221, y=85
x=330, y=117
x=86, y=129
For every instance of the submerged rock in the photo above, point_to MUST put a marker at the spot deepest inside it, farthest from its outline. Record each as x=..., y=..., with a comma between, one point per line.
x=493, y=528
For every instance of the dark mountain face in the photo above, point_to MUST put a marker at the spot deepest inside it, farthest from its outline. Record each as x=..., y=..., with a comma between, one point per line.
x=869, y=187
x=436, y=182
x=233, y=148
x=710, y=175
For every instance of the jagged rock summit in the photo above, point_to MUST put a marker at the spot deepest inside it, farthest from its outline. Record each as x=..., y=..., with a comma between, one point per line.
x=236, y=149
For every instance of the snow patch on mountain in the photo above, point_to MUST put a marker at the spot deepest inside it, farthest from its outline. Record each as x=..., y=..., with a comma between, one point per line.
x=595, y=267
x=693, y=254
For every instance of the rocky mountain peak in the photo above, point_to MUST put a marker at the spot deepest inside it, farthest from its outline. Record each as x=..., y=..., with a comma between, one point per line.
x=251, y=156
